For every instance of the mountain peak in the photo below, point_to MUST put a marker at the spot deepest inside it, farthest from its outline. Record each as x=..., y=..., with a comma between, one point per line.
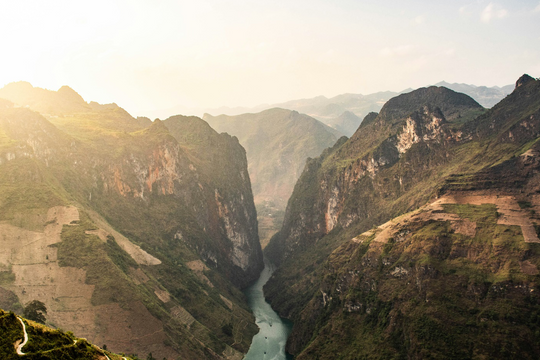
x=68, y=93
x=19, y=85
x=523, y=80
x=18, y=88
x=451, y=103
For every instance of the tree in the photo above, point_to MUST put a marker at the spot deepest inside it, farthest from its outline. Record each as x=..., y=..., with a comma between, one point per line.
x=35, y=310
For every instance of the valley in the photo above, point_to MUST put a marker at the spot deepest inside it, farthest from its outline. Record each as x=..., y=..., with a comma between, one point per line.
x=270, y=180
x=277, y=143
x=269, y=343
x=145, y=236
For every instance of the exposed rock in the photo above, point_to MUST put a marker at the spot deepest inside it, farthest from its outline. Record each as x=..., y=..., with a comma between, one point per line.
x=436, y=269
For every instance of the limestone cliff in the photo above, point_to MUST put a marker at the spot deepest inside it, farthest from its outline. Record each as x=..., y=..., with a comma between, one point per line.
x=161, y=235
x=410, y=129
x=277, y=143
x=384, y=291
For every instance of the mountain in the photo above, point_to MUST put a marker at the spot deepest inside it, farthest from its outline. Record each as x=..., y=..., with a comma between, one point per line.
x=137, y=235
x=342, y=113
x=347, y=122
x=345, y=112
x=416, y=120
x=336, y=111
x=486, y=96
x=44, y=342
x=418, y=236
x=277, y=143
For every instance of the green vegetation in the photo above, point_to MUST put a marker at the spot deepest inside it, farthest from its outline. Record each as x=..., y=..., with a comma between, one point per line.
x=454, y=309
x=6, y=277
x=44, y=343
x=486, y=213
x=435, y=289
x=170, y=187
x=35, y=310
x=88, y=252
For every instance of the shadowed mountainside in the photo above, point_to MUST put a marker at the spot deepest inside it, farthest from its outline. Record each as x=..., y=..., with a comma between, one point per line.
x=277, y=144
x=134, y=234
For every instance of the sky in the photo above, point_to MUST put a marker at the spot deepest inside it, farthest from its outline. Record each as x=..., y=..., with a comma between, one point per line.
x=162, y=54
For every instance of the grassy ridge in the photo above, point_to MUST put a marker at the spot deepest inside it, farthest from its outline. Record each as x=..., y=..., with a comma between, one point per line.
x=44, y=343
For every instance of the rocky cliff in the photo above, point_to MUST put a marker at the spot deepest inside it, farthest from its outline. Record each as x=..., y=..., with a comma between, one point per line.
x=454, y=279
x=277, y=143
x=404, y=143
x=134, y=234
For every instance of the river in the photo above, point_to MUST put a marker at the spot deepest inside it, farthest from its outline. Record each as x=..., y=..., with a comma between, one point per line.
x=269, y=343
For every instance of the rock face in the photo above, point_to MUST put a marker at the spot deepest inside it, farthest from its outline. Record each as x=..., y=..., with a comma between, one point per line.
x=410, y=129
x=354, y=286
x=147, y=199
x=277, y=143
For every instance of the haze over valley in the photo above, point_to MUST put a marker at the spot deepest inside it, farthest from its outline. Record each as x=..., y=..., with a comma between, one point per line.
x=270, y=180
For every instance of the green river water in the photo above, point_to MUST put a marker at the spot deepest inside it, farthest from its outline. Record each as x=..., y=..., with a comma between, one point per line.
x=269, y=343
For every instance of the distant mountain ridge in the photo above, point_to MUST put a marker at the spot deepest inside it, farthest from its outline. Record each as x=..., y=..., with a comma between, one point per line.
x=336, y=111
x=485, y=96
x=277, y=143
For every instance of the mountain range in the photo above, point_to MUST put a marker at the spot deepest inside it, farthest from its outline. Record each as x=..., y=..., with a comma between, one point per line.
x=277, y=143
x=418, y=236
x=134, y=234
x=345, y=112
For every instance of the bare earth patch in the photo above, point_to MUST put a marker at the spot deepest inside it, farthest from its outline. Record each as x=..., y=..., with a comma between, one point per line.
x=197, y=266
x=226, y=301
x=29, y=256
x=162, y=295
x=135, y=251
x=507, y=206
x=138, y=276
x=528, y=268
x=465, y=227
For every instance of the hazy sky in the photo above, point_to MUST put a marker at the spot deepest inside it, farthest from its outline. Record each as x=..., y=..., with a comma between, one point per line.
x=159, y=54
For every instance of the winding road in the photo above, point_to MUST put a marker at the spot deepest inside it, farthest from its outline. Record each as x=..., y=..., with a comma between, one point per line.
x=21, y=345
x=25, y=340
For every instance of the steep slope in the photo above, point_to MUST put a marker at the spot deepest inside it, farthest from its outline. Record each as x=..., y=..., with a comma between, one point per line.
x=42, y=342
x=394, y=291
x=277, y=144
x=404, y=142
x=134, y=236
